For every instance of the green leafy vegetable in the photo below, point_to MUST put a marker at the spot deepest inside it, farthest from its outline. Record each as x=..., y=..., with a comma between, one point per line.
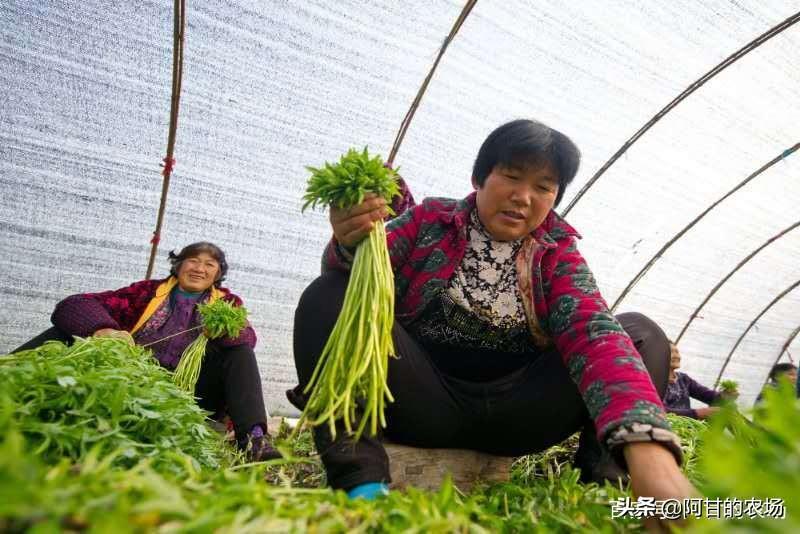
x=354, y=362
x=223, y=319
x=220, y=318
x=729, y=386
x=105, y=394
x=745, y=460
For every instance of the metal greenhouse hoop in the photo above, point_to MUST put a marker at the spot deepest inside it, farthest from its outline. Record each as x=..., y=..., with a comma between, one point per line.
x=401, y=133
x=752, y=323
x=731, y=273
x=783, y=155
x=752, y=45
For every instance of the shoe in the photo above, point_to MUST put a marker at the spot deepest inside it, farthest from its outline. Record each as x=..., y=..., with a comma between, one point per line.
x=369, y=491
x=256, y=446
x=596, y=463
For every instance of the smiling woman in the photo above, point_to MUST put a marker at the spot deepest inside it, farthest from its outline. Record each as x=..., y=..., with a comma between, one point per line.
x=163, y=315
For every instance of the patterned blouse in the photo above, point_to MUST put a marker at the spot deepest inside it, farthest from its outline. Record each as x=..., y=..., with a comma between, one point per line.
x=486, y=281
x=177, y=314
x=475, y=329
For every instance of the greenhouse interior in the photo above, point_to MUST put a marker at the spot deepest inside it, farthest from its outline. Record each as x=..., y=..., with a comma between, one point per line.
x=400, y=266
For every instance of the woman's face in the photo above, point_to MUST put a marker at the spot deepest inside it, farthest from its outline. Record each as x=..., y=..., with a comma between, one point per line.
x=198, y=273
x=513, y=201
x=674, y=361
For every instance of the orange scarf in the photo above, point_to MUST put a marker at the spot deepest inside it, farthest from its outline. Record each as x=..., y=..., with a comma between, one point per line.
x=162, y=292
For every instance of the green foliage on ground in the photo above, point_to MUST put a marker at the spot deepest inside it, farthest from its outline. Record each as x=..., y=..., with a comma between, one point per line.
x=97, y=438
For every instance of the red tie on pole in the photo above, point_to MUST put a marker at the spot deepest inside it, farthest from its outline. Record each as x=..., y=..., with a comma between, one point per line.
x=179, y=27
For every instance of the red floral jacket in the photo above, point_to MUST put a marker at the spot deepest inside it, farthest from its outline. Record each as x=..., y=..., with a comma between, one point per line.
x=84, y=314
x=562, y=303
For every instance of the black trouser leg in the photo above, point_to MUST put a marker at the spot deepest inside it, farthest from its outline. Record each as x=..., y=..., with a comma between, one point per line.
x=525, y=412
x=652, y=343
x=425, y=413
x=51, y=334
x=229, y=380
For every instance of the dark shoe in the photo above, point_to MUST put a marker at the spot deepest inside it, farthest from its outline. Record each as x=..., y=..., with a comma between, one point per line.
x=605, y=470
x=258, y=448
x=297, y=398
x=596, y=463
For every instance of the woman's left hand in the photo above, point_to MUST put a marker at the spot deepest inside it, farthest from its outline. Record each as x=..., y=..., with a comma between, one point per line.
x=111, y=332
x=654, y=473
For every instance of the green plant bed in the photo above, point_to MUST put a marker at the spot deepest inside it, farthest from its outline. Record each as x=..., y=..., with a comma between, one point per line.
x=97, y=438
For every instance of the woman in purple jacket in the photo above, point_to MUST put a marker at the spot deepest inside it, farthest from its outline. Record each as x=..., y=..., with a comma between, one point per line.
x=682, y=387
x=162, y=314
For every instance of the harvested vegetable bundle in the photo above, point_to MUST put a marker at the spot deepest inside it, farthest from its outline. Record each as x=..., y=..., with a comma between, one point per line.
x=354, y=363
x=729, y=387
x=220, y=318
x=105, y=394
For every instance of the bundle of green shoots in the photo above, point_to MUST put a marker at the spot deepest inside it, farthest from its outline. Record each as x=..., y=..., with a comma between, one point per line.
x=220, y=318
x=729, y=386
x=354, y=363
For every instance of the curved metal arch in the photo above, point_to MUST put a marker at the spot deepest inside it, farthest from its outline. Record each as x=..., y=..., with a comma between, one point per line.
x=733, y=271
x=401, y=133
x=752, y=45
x=783, y=349
x=686, y=228
x=753, y=322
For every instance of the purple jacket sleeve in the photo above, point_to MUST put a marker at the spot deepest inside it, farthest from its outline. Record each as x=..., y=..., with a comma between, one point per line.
x=246, y=337
x=701, y=393
x=83, y=315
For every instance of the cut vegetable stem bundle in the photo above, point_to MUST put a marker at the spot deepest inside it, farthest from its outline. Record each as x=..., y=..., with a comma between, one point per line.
x=349, y=382
x=355, y=361
x=219, y=318
x=188, y=370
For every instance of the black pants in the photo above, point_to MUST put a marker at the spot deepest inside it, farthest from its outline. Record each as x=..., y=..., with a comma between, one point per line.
x=527, y=411
x=229, y=381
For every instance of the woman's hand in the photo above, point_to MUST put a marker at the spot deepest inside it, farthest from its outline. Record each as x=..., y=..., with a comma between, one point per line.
x=654, y=473
x=110, y=332
x=352, y=225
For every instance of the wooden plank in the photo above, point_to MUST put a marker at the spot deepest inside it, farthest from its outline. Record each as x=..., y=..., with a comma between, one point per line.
x=427, y=468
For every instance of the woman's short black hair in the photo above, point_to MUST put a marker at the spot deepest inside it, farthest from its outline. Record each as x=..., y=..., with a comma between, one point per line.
x=779, y=368
x=525, y=143
x=191, y=251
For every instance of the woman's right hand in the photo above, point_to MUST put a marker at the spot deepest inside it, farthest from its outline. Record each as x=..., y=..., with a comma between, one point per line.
x=353, y=224
x=110, y=332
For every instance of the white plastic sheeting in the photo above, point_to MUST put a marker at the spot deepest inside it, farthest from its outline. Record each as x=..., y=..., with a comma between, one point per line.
x=270, y=87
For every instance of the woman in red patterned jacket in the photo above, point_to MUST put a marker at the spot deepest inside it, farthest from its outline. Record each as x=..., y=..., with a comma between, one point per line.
x=504, y=342
x=163, y=315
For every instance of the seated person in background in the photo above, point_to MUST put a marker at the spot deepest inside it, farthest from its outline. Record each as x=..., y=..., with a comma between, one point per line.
x=504, y=342
x=778, y=371
x=681, y=387
x=149, y=311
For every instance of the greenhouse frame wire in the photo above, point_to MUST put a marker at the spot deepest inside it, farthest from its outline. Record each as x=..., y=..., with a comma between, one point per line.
x=752, y=45
x=731, y=273
x=750, y=326
x=635, y=280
